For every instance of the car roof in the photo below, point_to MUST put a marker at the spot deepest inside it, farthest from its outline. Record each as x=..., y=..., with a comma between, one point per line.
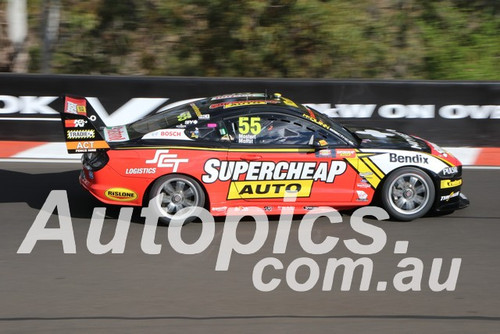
x=227, y=102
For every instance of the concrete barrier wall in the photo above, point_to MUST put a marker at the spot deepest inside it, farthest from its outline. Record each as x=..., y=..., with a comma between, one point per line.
x=449, y=113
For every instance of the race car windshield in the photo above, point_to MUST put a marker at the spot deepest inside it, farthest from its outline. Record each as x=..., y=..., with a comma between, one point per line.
x=331, y=125
x=166, y=119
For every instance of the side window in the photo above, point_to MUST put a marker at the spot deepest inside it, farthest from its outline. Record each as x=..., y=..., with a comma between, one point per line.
x=269, y=129
x=330, y=138
x=207, y=131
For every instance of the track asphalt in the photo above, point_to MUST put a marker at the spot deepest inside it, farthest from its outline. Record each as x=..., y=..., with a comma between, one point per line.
x=48, y=291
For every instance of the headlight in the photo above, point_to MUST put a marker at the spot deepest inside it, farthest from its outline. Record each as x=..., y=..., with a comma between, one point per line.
x=439, y=149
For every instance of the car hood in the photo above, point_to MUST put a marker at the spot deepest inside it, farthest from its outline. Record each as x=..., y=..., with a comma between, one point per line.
x=388, y=139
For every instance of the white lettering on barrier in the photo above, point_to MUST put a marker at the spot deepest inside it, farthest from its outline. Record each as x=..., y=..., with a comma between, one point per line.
x=27, y=104
x=412, y=111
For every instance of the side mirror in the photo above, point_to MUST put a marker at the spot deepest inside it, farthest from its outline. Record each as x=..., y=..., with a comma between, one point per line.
x=320, y=144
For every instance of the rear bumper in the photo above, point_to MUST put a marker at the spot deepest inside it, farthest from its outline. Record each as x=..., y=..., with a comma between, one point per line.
x=101, y=191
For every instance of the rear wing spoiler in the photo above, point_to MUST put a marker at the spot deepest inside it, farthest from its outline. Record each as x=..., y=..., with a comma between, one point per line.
x=80, y=132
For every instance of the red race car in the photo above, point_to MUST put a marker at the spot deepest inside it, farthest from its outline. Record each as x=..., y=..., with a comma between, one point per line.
x=254, y=150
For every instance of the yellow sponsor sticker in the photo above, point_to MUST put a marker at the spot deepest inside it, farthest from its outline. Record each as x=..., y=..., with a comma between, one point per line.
x=120, y=194
x=450, y=184
x=81, y=110
x=289, y=102
x=269, y=189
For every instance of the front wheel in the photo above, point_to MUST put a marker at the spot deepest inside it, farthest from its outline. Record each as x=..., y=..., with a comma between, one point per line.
x=171, y=193
x=408, y=193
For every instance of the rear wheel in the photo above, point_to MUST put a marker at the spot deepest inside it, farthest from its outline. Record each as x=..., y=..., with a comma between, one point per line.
x=171, y=193
x=408, y=193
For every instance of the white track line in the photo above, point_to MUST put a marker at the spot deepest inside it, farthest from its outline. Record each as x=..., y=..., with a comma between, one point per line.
x=30, y=119
x=55, y=150
x=481, y=167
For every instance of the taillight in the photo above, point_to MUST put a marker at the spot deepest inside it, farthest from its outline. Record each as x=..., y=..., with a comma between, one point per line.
x=95, y=160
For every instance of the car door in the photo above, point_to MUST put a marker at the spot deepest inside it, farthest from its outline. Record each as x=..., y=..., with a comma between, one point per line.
x=277, y=155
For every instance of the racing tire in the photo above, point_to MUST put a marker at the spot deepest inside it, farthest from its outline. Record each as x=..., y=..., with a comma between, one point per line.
x=171, y=193
x=408, y=193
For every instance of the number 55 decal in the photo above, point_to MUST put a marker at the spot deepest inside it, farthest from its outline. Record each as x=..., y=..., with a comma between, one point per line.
x=249, y=124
